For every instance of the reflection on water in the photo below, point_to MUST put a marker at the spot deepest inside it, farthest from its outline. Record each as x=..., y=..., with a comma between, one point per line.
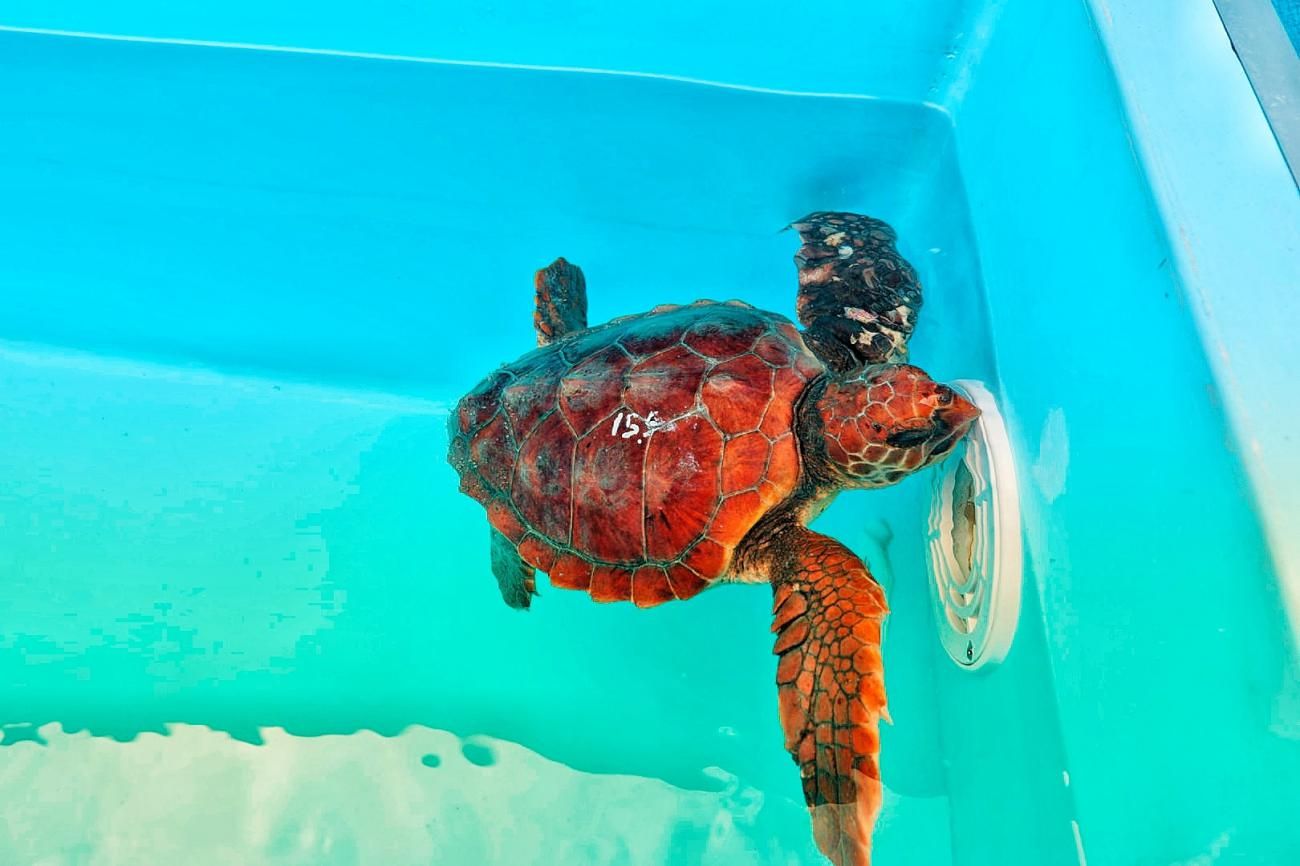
x=199, y=797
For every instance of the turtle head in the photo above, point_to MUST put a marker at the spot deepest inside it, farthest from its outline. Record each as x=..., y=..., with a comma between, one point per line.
x=889, y=421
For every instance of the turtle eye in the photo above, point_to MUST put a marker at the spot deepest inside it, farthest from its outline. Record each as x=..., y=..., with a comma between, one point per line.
x=945, y=397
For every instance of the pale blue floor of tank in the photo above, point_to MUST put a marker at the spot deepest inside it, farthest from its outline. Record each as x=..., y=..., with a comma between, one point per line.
x=244, y=553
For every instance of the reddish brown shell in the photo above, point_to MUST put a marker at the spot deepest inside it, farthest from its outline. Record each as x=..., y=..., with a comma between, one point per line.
x=630, y=459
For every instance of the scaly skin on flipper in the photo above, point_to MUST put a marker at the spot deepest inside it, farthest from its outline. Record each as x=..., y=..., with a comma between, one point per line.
x=827, y=613
x=858, y=297
x=514, y=576
x=561, y=301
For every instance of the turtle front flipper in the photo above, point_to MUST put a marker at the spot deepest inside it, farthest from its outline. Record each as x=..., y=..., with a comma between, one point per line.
x=858, y=298
x=827, y=614
x=516, y=578
x=561, y=301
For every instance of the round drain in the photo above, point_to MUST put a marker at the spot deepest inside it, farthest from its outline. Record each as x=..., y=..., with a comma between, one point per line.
x=973, y=536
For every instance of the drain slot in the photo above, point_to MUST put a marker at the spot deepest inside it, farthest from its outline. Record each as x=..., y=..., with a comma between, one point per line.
x=963, y=517
x=973, y=536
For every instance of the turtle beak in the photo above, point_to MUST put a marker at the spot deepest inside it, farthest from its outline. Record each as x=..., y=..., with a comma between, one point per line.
x=960, y=413
x=952, y=423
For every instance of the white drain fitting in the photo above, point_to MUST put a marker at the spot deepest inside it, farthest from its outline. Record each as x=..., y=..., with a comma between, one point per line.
x=973, y=540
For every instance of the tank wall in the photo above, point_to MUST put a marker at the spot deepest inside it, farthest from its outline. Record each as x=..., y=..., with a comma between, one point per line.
x=333, y=216
x=1167, y=645
x=883, y=48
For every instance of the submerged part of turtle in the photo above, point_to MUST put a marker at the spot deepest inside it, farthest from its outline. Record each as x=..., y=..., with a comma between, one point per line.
x=652, y=457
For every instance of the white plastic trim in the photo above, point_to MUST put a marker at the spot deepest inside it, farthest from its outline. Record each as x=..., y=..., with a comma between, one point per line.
x=976, y=607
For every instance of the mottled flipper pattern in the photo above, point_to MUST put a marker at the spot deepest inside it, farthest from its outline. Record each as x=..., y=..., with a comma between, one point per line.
x=561, y=301
x=827, y=616
x=516, y=578
x=858, y=297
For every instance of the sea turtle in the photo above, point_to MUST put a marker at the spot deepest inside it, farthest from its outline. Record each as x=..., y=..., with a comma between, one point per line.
x=652, y=457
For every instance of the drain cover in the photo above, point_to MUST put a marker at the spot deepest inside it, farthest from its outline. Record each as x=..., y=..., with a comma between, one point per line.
x=973, y=540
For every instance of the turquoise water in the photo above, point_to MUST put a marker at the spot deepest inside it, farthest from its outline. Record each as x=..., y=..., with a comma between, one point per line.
x=235, y=512
x=248, y=618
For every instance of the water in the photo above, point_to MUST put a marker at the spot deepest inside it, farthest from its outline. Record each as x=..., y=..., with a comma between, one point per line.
x=248, y=618
x=247, y=554
x=232, y=522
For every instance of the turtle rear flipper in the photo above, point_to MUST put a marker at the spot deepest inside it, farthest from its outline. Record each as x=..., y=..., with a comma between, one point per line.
x=561, y=301
x=827, y=613
x=858, y=298
x=515, y=577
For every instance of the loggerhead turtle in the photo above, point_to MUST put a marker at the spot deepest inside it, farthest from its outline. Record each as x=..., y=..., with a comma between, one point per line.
x=656, y=455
